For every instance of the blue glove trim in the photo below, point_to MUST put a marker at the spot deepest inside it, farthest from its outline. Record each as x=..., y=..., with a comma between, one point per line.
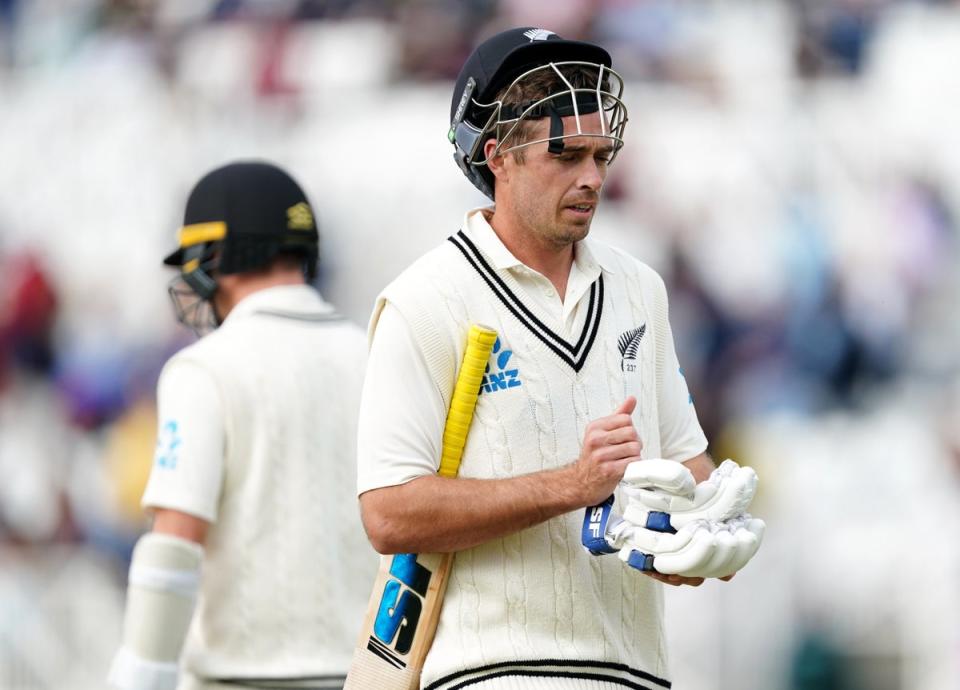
x=641, y=561
x=659, y=522
x=592, y=534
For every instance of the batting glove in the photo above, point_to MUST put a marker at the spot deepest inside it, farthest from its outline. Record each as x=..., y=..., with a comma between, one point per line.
x=698, y=549
x=676, y=527
x=661, y=494
x=603, y=530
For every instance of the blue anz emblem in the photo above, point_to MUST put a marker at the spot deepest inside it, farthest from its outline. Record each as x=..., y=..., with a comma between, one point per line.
x=502, y=378
x=168, y=440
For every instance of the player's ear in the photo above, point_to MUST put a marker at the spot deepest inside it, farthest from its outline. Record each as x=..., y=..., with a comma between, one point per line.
x=495, y=161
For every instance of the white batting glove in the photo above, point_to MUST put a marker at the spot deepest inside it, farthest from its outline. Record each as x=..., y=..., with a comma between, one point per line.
x=741, y=538
x=669, y=553
x=699, y=549
x=675, y=526
x=660, y=495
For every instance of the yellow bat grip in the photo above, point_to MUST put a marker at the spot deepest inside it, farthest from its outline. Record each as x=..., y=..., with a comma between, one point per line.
x=480, y=342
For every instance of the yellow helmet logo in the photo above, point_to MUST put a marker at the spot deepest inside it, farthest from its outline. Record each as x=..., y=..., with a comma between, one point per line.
x=300, y=217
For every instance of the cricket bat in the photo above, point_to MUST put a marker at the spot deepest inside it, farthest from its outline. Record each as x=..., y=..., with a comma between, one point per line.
x=404, y=607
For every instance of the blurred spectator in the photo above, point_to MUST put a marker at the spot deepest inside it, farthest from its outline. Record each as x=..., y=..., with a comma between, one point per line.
x=344, y=9
x=128, y=456
x=8, y=22
x=644, y=33
x=437, y=52
x=818, y=663
x=833, y=37
x=127, y=15
x=91, y=378
x=708, y=332
x=34, y=445
x=28, y=309
x=569, y=18
x=271, y=81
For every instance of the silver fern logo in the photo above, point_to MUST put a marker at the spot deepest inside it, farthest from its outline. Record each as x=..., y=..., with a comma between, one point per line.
x=538, y=34
x=629, y=346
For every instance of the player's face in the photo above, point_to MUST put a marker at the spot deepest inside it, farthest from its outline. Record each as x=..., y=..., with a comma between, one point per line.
x=556, y=195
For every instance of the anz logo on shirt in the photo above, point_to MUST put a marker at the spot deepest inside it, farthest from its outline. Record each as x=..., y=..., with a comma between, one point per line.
x=502, y=378
x=168, y=441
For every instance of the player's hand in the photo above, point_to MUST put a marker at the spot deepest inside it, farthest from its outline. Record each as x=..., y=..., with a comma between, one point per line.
x=678, y=580
x=610, y=444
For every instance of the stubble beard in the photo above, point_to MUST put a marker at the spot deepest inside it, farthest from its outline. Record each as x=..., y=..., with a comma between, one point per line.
x=565, y=234
x=554, y=232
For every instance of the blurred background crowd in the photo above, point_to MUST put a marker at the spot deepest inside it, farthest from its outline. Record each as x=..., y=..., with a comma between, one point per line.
x=792, y=169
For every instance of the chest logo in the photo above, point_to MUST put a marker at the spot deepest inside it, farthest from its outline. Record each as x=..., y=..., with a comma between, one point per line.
x=629, y=346
x=503, y=376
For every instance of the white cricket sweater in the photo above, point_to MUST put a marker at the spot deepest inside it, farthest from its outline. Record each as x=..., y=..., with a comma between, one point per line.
x=535, y=604
x=287, y=567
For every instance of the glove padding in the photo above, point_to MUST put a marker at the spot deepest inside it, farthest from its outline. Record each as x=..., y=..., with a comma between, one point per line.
x=698, y=549
x=676, y=527
x=657, y=473
x=663, y=496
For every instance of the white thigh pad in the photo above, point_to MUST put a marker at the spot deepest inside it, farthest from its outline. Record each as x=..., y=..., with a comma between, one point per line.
x=164, y=579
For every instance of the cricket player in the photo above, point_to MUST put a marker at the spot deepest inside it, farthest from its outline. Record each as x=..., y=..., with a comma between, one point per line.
x=583, y=390
x=256, y=568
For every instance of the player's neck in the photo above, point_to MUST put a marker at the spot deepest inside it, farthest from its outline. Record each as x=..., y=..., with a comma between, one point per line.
x=233, y=288
x=550, y=260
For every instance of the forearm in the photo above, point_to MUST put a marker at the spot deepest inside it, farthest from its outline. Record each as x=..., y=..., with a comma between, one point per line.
x=179, y=524
x=440, y=515
x=701, y=466
x=437, y=514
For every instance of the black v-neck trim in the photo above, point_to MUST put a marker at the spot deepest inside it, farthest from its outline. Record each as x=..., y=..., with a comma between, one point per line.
x=575, y=355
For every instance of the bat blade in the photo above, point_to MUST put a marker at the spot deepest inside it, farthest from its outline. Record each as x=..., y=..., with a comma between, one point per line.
x=407, y=595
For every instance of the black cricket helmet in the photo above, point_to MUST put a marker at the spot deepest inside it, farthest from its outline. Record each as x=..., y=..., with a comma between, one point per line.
x=500, y=66
x=238, y=218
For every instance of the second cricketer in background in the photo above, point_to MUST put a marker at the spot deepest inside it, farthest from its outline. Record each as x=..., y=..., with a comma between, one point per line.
x=254, y=462
x=583, y=382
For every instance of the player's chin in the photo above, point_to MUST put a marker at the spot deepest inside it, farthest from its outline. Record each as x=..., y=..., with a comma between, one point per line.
x=574, y=228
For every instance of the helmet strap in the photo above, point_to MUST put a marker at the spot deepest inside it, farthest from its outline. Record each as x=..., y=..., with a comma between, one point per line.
x=194, y=271
x=556, y=132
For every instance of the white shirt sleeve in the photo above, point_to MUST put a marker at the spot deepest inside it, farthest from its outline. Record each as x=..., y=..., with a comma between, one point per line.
x=400, y=428
x=681, y=437
x=187, y=471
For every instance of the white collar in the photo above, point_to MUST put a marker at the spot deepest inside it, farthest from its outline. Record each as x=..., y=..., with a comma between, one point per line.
x=293, y=300
x=588, y=255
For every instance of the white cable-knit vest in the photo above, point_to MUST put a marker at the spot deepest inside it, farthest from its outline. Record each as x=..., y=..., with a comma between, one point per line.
x=287, y=567
x=535, y=605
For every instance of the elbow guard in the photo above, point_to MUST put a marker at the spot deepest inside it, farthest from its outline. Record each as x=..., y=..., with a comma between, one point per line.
x=161, y=594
